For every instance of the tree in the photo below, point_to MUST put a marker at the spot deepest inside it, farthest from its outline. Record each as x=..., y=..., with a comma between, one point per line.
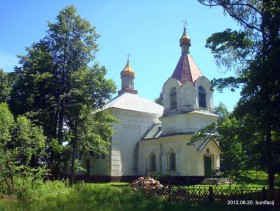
x=89, y=89
x=253, y=53
x=222, y=112
x=20, y=143
x=6, y=122
x=159, y=100
x=93, y=132
x=229, y=133
x=34, y=96
x=56, y=87
x=33, y=92
x=5, y=86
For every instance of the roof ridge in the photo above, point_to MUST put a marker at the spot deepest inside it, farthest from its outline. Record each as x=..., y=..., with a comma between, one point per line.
x=186, y=69
x=198, y=72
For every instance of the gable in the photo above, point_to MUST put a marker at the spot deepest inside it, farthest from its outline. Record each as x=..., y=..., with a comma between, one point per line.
x=208, y=142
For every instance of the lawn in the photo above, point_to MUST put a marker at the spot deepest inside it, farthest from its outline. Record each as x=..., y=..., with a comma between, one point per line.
x=57, y=195
x=111, y=196
x=256, y=179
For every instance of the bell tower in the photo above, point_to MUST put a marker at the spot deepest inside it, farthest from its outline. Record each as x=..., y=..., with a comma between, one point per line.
x=187, y=94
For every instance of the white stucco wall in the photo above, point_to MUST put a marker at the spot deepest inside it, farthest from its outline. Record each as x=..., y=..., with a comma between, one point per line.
x=125, y=141
x=186, y=122
x=187, y=95
x=189, y=161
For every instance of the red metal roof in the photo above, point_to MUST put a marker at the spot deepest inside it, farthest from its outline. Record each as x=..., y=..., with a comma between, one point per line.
x=186, y=69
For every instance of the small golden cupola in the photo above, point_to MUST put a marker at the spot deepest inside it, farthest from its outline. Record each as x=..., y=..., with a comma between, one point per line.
x=127, y=71
x=185, y=42
x=127, y=77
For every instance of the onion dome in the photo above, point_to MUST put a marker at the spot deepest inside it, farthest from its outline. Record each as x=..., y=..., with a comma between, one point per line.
x=185, y=40
x=127, y=71
x=127, y=77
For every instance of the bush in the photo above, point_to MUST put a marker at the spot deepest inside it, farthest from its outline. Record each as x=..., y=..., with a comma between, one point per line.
x=59, y=195
x=26, y=188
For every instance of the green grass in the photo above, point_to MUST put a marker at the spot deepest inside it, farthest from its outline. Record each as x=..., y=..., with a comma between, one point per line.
x=57, y=195
x=109, y=197
x=245, y=185
x=227, y=186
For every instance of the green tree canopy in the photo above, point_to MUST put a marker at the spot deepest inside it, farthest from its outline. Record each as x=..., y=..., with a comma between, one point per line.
x=56, y=87
x=254, y=53
x=5, y=86
x=240, y=144
x=21, y=142
x=159, y=100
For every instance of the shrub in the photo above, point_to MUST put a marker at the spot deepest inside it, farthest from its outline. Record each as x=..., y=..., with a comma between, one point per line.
x=26, y=188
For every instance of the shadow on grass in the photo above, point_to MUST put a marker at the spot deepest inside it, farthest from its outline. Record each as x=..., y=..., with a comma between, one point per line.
x=119, y=186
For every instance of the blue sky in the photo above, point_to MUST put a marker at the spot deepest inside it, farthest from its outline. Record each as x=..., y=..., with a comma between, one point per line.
x=149, y=30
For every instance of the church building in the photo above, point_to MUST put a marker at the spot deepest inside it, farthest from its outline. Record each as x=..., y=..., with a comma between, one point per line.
x=153, y=139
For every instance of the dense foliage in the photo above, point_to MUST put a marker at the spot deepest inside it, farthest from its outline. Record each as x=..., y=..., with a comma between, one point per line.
x=5, y=86
x=253, y=52
x=240, y=145
x=22, y=146
x=58, y=88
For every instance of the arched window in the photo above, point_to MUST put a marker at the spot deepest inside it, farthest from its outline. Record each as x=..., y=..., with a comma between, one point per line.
x=172, y=160
x=173, y=98
x=202, y=97
x=152, y=162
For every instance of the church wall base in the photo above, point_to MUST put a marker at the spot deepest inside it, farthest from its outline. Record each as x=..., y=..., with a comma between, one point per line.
x=166, y=180
x=181, y=180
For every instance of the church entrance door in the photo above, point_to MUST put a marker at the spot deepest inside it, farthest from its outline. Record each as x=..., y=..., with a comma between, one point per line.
x=208, y=169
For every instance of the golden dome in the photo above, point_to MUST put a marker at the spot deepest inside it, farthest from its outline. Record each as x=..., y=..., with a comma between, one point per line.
x=127, y=71
x=185, y=40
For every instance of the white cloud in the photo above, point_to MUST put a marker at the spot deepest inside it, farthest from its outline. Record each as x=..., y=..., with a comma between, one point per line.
x=8, y=62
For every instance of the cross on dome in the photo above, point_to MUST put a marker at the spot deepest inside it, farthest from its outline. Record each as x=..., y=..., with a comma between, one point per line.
x=185, y=23
x=185, y=41
x=128, y=57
